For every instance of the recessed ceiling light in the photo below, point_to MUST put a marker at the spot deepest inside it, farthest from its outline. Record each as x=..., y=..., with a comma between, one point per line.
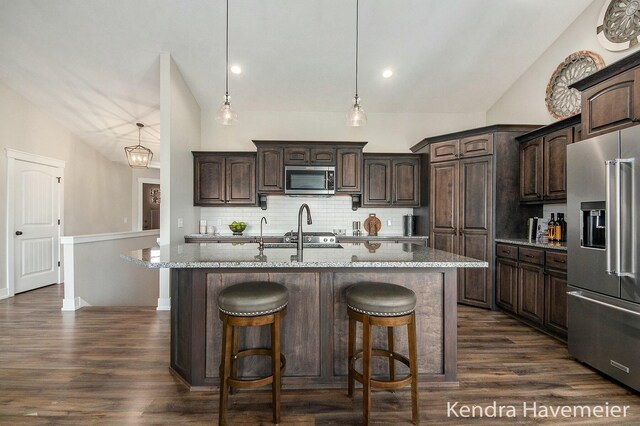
x=387, y=73
x=236, y=69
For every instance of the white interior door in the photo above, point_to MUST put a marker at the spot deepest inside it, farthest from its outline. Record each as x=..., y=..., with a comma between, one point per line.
x=36, y=225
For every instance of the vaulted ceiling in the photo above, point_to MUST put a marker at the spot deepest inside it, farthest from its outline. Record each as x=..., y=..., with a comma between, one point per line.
x=93, y=64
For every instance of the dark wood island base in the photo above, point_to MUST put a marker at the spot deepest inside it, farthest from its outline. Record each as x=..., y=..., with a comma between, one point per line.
x=315, y=330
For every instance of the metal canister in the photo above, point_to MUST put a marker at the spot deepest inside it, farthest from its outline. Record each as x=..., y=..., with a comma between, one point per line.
x=409, y=225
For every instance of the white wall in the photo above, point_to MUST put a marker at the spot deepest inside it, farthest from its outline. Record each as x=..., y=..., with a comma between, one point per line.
x=524, y=101
x=383, y=132
x=97, y=190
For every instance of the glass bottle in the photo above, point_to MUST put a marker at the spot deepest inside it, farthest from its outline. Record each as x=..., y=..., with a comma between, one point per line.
x=552, y=228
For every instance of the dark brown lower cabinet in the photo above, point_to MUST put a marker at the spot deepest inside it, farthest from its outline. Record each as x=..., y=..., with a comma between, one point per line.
x=531, y=284
x=531, y=292
x=555, y=317
x=507, y=284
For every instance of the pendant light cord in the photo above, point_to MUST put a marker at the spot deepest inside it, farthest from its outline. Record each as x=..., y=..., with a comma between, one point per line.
x=357, y=33
x=226, y=82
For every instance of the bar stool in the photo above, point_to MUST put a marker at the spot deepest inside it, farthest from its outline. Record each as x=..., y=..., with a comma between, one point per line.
x=251, y=304
x=383, y=305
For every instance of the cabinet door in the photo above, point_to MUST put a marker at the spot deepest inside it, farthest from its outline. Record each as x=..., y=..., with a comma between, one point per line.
x=349, y=170
x=475, y=225
x=323, y=156
x=377, y=182
x=531, y=292
x=555, y=164
x=611, y=105
x=507, y=284
x=531, y=170
x=555, y=313
x=476, y=146
x=443, y=203
x=443, y=151
x=296, y=155
x=406, y=182
x=271, y=170
x=209, y=180
x=241, y=180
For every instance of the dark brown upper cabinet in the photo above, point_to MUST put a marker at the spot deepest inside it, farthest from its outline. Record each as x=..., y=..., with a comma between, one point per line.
x=611, y=105
x=271, y=169
x=531, y=170
x=273, y=156
x=391, y=180
x=301, y=156
x=349, y=170
x=224, y=179
x=543, y=161
x=470, y=146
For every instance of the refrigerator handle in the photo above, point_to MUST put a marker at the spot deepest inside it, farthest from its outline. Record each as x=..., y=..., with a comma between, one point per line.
x=623, y=268
x=609, y=246
x=618, y=218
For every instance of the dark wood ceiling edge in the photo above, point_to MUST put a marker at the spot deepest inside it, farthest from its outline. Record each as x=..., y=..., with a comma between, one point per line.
x=545, y=130
x=472, y=132
x=622, y=65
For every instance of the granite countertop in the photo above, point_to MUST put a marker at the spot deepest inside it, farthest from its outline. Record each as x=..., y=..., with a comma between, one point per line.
x=251, y=237
x=352, y=255
x=526, y=242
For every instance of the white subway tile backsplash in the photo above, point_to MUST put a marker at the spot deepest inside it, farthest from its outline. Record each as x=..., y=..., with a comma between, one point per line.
x=547, y=209
x=282, y=215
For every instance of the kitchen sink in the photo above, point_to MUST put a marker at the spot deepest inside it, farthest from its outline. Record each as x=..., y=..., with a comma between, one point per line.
x=306, y=245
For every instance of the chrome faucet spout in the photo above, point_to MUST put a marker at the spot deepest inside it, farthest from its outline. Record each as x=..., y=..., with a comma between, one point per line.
x=261, y=241
x=309, y=222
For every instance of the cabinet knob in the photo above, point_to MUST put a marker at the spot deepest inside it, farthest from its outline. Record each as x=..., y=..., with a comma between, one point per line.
x=18, y=233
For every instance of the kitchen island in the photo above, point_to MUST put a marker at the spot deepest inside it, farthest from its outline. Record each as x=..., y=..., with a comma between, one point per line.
x=314, y=331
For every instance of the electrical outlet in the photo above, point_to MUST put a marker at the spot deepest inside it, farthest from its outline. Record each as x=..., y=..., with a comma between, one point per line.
x=126, y=219
x=388, y=222
x=180, y=222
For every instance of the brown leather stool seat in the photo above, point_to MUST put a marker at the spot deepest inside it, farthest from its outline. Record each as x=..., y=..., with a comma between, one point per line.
x=251, y=304
x=384, y=305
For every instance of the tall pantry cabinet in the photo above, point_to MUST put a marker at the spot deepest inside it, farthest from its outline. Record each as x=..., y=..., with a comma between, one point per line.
x=473, y=198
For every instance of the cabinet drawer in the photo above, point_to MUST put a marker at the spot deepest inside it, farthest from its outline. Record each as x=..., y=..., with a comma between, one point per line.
x=556, y=260
x=443, y=151
x=475, y=146
x=296, y=155
x=507, y=251
x=530, y=255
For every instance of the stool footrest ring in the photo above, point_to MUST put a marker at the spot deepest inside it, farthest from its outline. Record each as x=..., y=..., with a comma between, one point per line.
x=381, y=384
x=261, y=381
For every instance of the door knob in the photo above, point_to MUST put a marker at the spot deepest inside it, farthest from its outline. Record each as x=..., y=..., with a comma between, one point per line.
x=18, y=232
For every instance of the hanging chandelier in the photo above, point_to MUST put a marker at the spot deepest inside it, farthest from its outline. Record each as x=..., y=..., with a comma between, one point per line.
x=138, y=156
x=356, y=116
x=226, y=115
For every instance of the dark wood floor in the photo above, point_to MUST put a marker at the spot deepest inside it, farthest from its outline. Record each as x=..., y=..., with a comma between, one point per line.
x=110, y=366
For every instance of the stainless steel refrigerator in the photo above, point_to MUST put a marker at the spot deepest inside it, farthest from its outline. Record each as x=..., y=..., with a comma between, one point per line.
x=603, y=216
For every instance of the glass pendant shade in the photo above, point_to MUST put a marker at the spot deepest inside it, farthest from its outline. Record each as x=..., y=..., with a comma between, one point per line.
x=356, y=116
x=226, y=115
x=138, y=156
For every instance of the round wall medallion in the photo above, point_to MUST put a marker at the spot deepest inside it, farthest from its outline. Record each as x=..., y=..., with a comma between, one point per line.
x=619, y=24
x=563, y=102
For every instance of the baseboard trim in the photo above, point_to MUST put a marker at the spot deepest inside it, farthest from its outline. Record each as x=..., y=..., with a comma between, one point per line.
x=4, y=293
x=164, y=304
x=70, y=305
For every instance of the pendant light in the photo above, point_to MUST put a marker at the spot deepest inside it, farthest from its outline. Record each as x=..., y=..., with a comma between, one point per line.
x=138, y=156
x=226, y=115
x=356, y=116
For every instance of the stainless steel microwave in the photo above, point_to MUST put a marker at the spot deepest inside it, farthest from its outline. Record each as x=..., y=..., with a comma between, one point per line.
x=309, y=180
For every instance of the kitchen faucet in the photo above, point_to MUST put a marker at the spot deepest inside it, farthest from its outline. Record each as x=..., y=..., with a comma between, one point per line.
x=261, y=241
x=309, y=222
